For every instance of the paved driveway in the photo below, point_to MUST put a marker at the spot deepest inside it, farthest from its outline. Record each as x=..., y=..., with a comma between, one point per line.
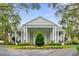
x=37, y=52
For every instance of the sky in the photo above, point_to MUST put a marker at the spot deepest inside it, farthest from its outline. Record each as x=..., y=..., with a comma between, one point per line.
x=44, y=11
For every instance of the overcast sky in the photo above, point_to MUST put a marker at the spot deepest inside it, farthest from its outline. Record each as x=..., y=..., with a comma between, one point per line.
x=44, y=11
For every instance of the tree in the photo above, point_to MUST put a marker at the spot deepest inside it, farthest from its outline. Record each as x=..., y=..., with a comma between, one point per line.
x=10, y=18
x=69, y=14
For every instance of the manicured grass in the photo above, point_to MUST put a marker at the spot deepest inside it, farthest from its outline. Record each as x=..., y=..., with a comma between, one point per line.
x=42, y=47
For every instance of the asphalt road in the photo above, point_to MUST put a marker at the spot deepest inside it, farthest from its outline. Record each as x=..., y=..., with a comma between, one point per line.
x=4, y=51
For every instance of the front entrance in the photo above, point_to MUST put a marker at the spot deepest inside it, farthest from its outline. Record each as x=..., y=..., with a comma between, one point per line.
x=33, y=33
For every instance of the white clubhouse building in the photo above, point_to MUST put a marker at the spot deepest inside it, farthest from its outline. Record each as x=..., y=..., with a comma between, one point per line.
x=51, y=32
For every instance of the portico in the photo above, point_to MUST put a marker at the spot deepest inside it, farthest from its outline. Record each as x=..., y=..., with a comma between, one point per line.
x=51, y=31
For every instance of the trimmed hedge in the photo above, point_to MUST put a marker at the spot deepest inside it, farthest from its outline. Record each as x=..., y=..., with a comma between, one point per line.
x=39, y=40
x=53, y=43
x=25, y=44
x=6, y=43
x=42, y=47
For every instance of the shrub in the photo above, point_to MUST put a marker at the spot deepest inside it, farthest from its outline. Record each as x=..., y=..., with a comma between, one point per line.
x=77, y=48
x=75, y=42
x=25, y=44
x=39, y=40
x=68, y=43
x=10, y=43
x=53, y=43
x=56, y=44
x=6, y=43
x=42, y=47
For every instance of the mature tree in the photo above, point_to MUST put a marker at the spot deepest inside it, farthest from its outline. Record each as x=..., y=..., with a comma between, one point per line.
x=69, y=14
x=10, y=19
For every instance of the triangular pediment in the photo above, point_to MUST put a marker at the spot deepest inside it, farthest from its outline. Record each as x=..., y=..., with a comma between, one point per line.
x=40, y=21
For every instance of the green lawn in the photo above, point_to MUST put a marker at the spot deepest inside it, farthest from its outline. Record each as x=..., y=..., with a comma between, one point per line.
x=42, y=47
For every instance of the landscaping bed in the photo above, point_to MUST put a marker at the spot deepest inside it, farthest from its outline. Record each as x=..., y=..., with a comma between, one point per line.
x=42, y=47
x=6, y=43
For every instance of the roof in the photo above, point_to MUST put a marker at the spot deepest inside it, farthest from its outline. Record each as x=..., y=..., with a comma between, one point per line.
x=39, y=21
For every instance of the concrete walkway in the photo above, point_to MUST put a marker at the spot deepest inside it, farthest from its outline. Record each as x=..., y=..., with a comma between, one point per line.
x=37, y=52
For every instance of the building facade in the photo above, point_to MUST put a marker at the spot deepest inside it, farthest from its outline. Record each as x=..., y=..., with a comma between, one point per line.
x=51, y=32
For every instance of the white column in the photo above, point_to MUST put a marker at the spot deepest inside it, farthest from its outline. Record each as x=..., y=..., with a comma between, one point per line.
x=58, y=35
x=33, y=37
x=15, y=38
x=63, y=37
x=21, y=36
x=26, y=35
x=55, y=34
x=9, y=36
x=45, y=38
x=51, y=35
